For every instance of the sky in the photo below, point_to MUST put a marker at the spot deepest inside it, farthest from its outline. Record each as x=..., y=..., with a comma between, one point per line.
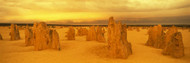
x=95, y=11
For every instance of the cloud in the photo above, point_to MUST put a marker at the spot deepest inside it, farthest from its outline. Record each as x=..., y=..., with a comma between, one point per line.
x=98, y=5
x=132, y=21
x=98, y=9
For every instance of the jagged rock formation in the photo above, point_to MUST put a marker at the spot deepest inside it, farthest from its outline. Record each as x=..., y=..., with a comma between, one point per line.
x=28, y=36
x=100, y=34
x=34, y=32
x=41, y=36
x=118, y=45
x=44, y=37
x=169, y=34
x=71, y=34
x=14, y=32
x=156, y=37
x=174, y=43
x=91, y=34
x=82, y=32
x=54, y=40
x=1, y=38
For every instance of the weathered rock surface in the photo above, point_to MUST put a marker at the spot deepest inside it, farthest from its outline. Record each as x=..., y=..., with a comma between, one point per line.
x=28, y=36
x=169, y=33
x=71, y=34
x=118, y=45
x=41, y=36
x=82, y=32
x=54, y=40
x=156, y=37
x=91, y=34
x=1, y=38
x=14, y=32
x=175, y=47
x=173, y=43
x=100, y=34
x=45, y=38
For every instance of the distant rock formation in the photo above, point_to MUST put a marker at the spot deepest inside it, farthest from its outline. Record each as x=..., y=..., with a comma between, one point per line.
x=156, y=37
x=28, y=36
x=14, y=32
x=137, y=29
x=174, y=43
x=129, y=28
x=118, y=45
x=45, y=38
x=71, y=33
x=82, y=31
x=91, y=34
x=1, y=38
x=100, y=34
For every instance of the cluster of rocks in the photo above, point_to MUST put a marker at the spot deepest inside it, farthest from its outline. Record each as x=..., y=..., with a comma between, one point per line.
x=42, y=37
x=91, y=34
x=96, y=34
x=156, y=37
x=174, y=43
x=171, y=41
x=28, y=36
x=137, y=29
x=1, y=38
x=82, y=32
x=118, y=45
x=100, y=34
x=14, y=33
x=54, y=39
x=145, y=28
x=71, y=33
x=129, y=28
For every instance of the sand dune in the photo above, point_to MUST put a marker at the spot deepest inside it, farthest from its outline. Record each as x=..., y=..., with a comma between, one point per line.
x=82, y=51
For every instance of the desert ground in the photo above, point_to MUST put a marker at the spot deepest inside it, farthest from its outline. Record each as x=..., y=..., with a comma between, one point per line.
x=82, y=51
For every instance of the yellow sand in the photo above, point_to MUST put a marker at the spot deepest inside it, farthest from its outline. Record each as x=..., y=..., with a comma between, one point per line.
x=82, y=51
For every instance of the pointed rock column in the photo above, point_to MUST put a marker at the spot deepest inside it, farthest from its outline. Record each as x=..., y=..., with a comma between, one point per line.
x=100, y=34
x=71, y=33
x=117, y=44
x=54, y=40
x=156, y=37
x=28, y=36
x=14, y=32
x=34, y=32
x=41, y=36
x=91, y=34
